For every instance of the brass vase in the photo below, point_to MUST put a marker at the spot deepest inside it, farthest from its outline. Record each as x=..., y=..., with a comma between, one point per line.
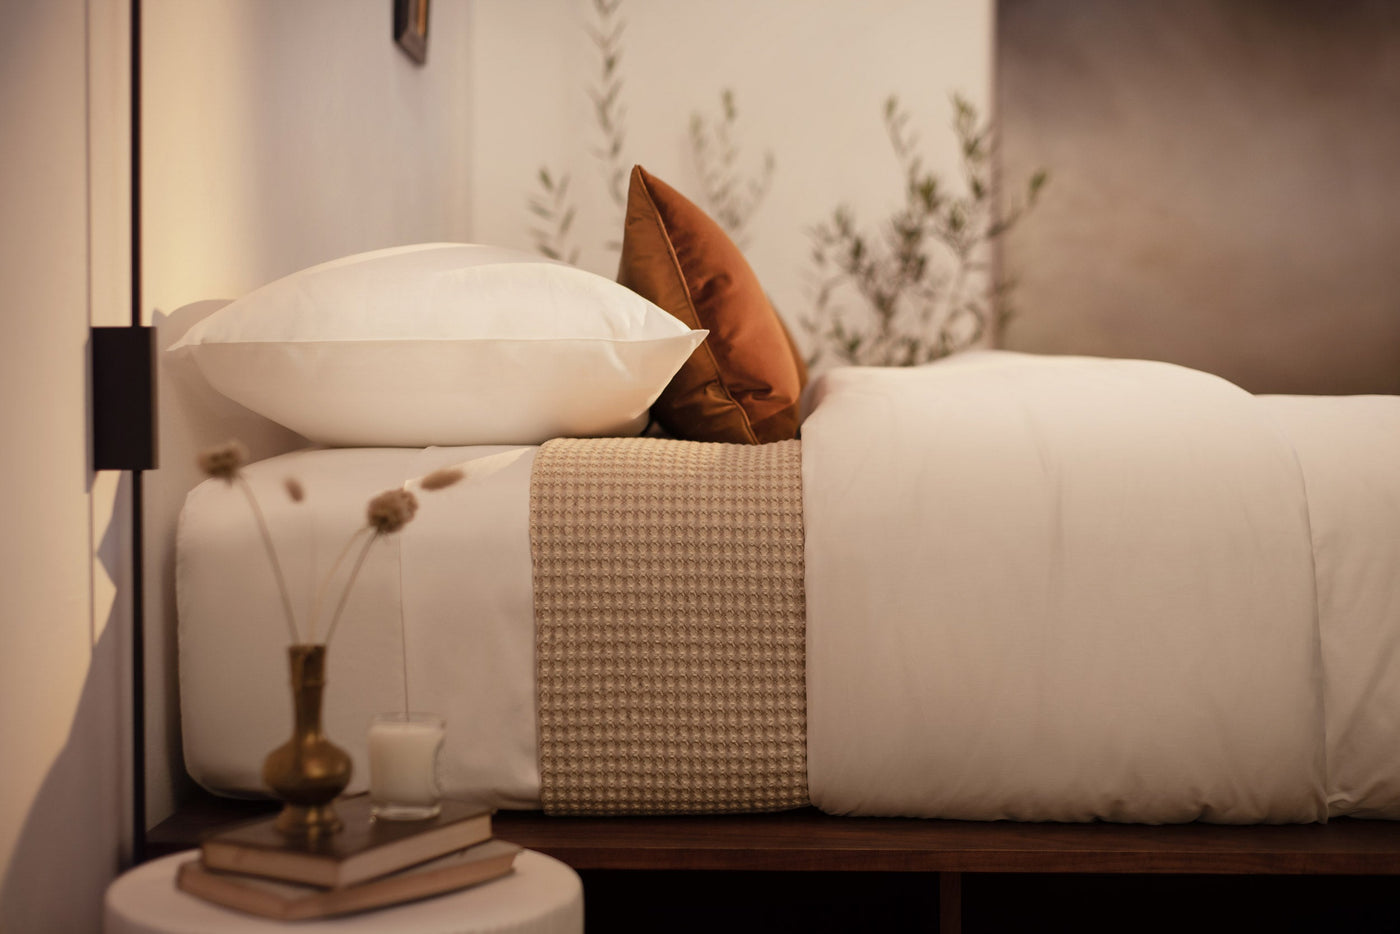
x=308, y=771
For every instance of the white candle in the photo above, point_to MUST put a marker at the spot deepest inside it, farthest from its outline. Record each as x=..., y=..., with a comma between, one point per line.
x=403, y=752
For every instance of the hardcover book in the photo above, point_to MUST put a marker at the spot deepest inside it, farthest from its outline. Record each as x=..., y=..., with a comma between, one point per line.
x=292, y=901
x=365, y=849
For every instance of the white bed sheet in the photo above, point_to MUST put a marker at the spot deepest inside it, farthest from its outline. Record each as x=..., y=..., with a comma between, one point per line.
x=458, y=576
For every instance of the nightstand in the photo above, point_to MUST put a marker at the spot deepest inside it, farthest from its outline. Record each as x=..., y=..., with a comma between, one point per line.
x=541, y=896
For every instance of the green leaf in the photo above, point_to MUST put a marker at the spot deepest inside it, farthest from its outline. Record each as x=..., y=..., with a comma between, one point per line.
x=1037, y=182
x=928, y=193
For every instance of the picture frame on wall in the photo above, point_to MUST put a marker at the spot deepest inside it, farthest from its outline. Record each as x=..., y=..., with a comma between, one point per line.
x=411, y=28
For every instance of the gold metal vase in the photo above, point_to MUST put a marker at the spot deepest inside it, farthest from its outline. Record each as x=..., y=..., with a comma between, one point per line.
x=308, y=771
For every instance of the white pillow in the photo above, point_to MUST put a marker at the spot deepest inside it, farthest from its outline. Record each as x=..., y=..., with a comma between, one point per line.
x=445, y=344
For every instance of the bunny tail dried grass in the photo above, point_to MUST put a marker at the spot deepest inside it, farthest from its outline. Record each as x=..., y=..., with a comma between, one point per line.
x=223, y=461
x=441, y=479
x=391, y=510
x=271, y=555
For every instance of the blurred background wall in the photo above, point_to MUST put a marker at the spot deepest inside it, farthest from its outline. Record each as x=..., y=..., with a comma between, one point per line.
x=1225, y=185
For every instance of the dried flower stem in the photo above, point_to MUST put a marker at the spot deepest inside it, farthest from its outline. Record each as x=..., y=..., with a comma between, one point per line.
x=330, y=575
x=271, y=555
x=386, y=514
x=345, y=594
x=403, y=655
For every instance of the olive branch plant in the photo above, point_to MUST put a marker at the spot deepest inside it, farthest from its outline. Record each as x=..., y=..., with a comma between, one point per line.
x=554, y=211
x=608, y=113
x=917, y=287
x=729, y=195
x=552, y=205
x=917, y=283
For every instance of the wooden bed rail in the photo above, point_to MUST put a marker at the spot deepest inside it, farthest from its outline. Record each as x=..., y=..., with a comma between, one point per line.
x=807, y=840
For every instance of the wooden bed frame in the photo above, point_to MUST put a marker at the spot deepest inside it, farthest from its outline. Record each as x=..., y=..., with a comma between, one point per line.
x=809, y=841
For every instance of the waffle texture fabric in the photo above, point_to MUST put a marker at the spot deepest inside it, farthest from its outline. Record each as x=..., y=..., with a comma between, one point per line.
x=670, y=626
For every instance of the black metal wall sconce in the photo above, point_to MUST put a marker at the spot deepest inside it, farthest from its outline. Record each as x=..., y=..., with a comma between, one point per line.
x=123, y=398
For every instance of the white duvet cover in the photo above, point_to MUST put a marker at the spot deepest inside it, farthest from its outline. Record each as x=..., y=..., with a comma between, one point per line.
x=1349, y=451
x=1037, y=588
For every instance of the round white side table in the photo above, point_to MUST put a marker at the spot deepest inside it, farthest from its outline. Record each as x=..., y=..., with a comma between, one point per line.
x=541, y=896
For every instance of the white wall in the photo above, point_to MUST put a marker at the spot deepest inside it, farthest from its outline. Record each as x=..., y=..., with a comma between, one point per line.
x=277, y=134
x=64, y=562
x=810, y=82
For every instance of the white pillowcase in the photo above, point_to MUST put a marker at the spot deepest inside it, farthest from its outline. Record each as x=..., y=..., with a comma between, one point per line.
x=443, y=344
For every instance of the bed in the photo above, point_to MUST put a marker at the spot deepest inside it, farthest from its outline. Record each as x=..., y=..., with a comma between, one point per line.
x=1108, y=590
x=997, y=588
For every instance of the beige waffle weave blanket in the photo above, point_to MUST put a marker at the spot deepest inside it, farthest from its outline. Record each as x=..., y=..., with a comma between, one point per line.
x=670, y=628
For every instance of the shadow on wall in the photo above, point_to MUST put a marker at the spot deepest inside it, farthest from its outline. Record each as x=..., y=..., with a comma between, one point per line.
x=1226, y=185
x=51, y=884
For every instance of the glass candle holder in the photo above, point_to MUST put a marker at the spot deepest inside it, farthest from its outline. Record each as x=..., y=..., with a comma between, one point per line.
x=403, y=753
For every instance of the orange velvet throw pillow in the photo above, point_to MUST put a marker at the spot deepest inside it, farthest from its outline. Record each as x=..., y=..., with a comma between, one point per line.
x=742, y=384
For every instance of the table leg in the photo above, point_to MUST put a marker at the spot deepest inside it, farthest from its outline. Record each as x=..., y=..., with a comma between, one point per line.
x=950, y=903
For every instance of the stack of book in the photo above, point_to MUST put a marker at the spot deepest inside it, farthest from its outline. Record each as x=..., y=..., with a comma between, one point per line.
x=369, y=864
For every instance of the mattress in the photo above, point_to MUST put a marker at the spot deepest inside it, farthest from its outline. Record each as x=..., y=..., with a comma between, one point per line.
x=1035, y=588
x=445, y=606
